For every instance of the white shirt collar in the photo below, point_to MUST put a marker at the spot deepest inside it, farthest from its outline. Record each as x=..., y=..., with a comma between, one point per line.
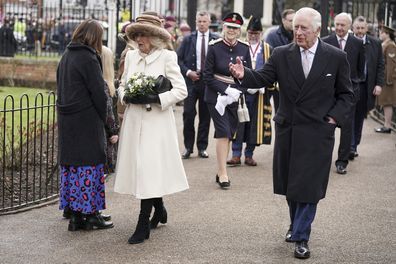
x=344, y=38
x=206, y=34
x=313, y=48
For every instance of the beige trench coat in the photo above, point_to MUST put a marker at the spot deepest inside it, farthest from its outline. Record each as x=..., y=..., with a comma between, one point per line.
x=149, y=163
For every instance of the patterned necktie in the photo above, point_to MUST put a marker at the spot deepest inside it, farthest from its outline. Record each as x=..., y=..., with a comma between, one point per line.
x=305, y=63
x=203, y=52
x=341, y=43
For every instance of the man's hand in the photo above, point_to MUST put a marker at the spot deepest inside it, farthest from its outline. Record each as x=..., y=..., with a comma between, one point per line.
x=237, y=70
x=377, y=90
x=193, y=75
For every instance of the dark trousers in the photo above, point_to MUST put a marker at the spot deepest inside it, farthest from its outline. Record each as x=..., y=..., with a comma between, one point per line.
x=301, y=218
x=196, y=93
x=346, y=131
x=244, y=130
x=360, y=115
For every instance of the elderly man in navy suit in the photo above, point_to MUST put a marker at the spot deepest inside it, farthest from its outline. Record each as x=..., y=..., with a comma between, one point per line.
x=315, y=96
x=191, y=58
x=356, y=59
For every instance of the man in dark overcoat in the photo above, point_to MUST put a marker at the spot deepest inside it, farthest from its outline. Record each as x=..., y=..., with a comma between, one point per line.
x=356, y=59
x=315, y=96
x=191, y=58
x=371, y=87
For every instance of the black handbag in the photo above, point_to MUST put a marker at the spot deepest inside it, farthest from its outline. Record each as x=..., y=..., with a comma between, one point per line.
x=162, y=85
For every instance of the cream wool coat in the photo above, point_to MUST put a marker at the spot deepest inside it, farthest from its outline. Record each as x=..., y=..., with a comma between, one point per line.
x=149, y=163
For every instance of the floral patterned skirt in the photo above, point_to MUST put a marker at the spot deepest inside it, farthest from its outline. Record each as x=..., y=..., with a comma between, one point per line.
x=82, y=188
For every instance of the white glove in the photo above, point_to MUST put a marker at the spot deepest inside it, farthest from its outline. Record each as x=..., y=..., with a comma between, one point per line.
x=234, y=93
x=262, y=90
x=252, y=91
x=222, y=102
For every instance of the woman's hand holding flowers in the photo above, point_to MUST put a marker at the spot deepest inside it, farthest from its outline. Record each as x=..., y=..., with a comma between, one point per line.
x=143, y=99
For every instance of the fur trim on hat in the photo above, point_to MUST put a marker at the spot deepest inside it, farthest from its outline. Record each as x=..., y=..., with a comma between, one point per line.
x=148, y=25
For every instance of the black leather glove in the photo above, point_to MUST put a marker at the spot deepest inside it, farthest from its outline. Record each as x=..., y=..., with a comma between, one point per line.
x=143, y=99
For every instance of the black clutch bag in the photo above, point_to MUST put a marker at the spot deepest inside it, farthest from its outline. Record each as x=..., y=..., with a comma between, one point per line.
x=162, y=85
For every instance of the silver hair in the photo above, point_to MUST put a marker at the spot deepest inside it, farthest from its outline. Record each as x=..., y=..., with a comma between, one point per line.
x=202, y=13
x=346, y=15
x=157, y=43
x=316, y=18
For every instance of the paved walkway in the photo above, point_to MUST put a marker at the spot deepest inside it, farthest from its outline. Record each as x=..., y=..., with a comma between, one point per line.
x=246, y=224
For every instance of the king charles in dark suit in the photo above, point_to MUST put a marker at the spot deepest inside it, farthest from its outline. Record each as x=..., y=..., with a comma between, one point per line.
x=191, y=57
x=315, y=96
x=356, y=59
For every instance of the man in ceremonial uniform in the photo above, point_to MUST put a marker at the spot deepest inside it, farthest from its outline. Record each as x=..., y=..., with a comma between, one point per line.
x=258, y=130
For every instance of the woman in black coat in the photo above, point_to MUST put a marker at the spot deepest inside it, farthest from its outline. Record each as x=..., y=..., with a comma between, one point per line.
x=81, y=106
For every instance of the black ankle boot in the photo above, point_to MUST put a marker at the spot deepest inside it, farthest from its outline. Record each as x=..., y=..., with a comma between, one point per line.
x=76, y=221
x=160, y=214
x=142, y=231
x=96, y=220
x=67, y=212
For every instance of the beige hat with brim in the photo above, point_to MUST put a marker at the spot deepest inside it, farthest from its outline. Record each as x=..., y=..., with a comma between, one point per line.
x=148, y=25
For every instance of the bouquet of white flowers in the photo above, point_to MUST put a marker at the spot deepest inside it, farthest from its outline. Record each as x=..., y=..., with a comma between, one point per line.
x=143, y=89
x=140, y=85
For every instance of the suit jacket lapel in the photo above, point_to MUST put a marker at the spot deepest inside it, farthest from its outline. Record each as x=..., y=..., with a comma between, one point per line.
x=319, y=63
x=295, y=66
x=333, y=41
x=194, y=37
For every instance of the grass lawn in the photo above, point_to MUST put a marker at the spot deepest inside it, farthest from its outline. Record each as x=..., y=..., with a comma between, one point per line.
x=25, y=112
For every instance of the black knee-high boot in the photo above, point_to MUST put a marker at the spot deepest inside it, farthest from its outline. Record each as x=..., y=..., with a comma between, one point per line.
x=160, y=214
x=142, y=231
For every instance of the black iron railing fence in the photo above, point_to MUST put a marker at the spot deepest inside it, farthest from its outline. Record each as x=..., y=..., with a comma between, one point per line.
x=41, y=30
x=28, y=158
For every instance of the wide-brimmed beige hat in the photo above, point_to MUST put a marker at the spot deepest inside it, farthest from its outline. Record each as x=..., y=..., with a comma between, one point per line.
x=148, y=25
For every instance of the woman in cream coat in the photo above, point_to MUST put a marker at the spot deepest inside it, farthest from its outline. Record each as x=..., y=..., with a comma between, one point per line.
x=149, y=165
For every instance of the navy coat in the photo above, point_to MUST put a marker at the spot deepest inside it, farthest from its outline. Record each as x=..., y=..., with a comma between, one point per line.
x=375, y=68
x=81, y=106
x=187, y=54
x=304, y=140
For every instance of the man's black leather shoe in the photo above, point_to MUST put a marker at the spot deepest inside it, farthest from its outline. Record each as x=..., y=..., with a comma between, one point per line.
x=301, y=250
x=288, y=237
x=353, y=155
x=203, y=154
x=186, y=154
x=341, y=169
